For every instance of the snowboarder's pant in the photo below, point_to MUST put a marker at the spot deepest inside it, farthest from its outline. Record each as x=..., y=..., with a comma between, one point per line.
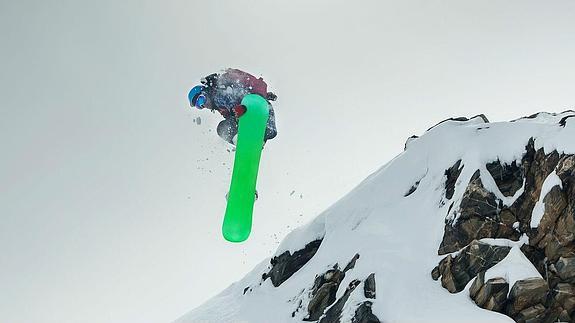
x=228, y=128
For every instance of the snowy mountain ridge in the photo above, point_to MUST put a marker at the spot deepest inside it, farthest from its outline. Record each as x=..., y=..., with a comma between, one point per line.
x=471, y=216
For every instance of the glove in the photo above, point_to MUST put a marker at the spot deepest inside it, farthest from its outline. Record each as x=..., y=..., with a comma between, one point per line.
x=239, y=110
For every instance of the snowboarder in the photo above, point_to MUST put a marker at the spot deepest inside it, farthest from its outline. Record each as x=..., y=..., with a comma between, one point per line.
x=224, y=93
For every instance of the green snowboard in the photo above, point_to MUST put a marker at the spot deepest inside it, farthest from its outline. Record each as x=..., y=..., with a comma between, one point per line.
x=241, y=197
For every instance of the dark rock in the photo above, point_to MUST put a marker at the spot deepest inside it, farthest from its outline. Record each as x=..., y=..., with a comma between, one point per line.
x=453, y=239
x=299, y=306
x=563, y=317
x=569, y=308
x=551, y=246
x=534, y=314
x=452, y=175
x=412, y=189
x=333, y=314
x=323, y=292
x=444, y=268
x=565, y=228
x=408, y=141
x=533, y=116
x=564, y=295
x=555, y=202
x=536, y=256
x=525, y=294
x=561, y=243
x=478, y=282
x=477, y=201
x=363, y=314
x=507, y=217
x=323, y=297
x=436, y=273
x=351, y=264
x=490, y=295
x=566, y=268
x=369, y=286
x=481, y=116
x=497, y=301
x=536, y=167
x=475, y=258
x=508, y=177
x=563, y=120
x=566, y=168
x=331, y=276
x=286, y=264
x=478, y=218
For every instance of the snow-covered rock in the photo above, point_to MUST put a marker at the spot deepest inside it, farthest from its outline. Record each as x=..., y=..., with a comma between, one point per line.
x=471, y=216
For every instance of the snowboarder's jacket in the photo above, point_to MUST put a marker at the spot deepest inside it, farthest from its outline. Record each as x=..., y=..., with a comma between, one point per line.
x=226, y=92
x=228, y=89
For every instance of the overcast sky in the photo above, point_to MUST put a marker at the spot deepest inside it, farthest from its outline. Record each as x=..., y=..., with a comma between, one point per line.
x=112, y=197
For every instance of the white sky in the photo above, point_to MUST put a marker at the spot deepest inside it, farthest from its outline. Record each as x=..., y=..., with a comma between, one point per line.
x=111, y=197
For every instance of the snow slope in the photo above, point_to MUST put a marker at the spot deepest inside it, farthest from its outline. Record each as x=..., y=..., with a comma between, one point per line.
x=396, y=235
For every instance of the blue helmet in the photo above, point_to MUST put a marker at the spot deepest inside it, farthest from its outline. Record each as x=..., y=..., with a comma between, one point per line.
x=195, y=93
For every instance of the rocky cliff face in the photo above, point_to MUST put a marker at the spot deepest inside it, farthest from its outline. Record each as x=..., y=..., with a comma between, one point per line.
x=483, y=210
x=543, y=185
x=323, y=304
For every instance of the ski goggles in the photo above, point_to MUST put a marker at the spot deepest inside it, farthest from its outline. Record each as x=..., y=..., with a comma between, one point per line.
x=200, y=101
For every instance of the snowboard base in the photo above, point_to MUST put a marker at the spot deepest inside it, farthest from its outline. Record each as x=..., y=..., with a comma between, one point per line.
x=241, y=197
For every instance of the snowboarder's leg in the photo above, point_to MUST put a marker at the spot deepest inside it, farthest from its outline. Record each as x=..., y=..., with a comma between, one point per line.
x=271, y=130
x=227, y=129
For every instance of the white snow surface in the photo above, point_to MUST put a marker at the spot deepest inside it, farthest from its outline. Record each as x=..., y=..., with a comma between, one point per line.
x=539, y=210
x=397, y=237
x=512, y=268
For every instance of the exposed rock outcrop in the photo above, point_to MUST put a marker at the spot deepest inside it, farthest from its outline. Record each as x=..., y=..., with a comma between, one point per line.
x=369, y=286
x=456, y=272
x=408, y=141
x=323, y=293
x=463, y=119
x=525, y=294
x=491, y=294
x=550, y=246
x=412, y=189
x=286, y=264
x=478, y=217
x=324, y=307
x=565, y=269
x=508, y=177
x=333, y=314
x=363, y=314
x=452, y=174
